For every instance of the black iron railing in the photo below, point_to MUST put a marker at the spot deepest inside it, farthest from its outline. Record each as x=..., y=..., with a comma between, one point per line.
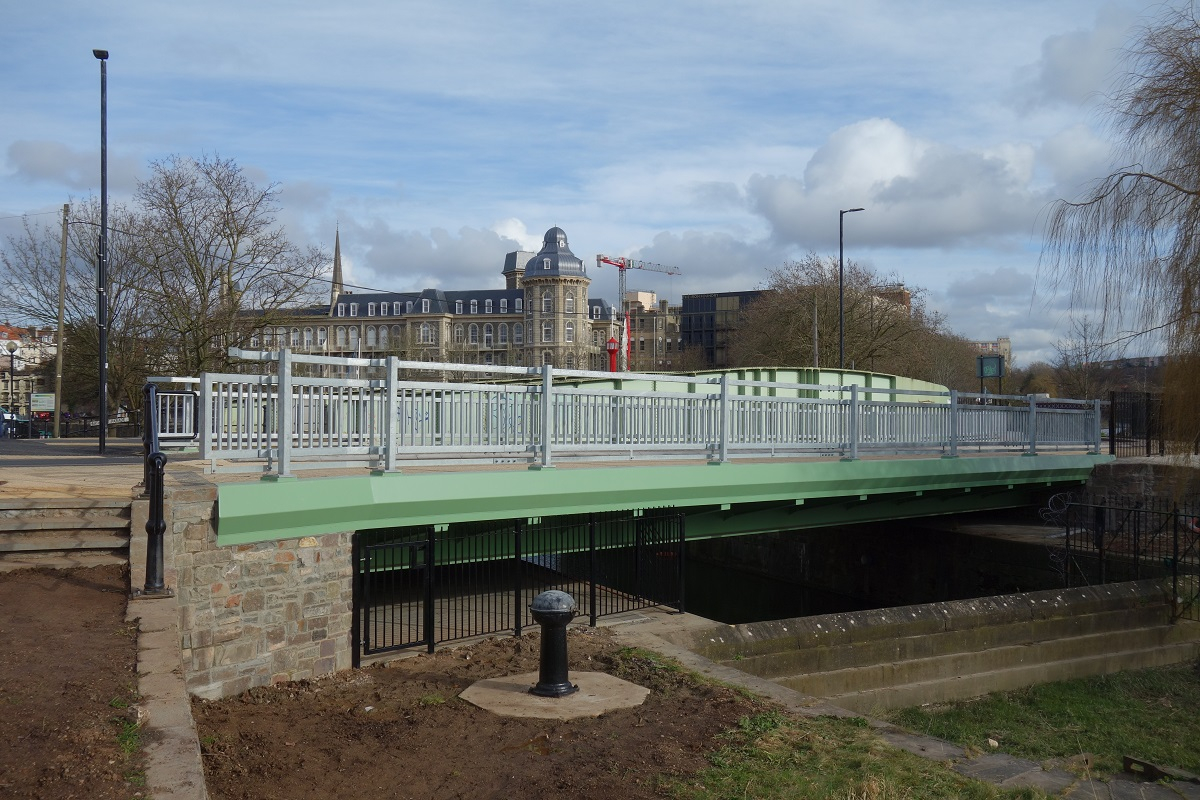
x=1109, y=539
x=153, y=475
x=422, y=586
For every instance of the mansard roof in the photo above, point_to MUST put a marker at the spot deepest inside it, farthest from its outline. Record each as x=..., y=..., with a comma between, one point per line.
x=555, y=259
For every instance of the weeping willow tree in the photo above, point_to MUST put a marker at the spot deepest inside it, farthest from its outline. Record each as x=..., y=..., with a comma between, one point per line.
x=1131, y=244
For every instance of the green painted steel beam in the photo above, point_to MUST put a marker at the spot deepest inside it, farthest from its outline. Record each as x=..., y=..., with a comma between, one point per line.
x=269, y=510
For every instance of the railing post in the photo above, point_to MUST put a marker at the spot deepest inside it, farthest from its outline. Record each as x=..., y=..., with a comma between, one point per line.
x=518, y=570
x=1032, y=425
x=1112, y=423
x=153, y=475
x=953, y=424
x=592, y=577
x=547, y=417
x=1096, y=438
x=852, y=424
x=206, y=416
x=391, y=410
x=723, y=427
x=430, y=618
x=284, y=414
x=682, y=518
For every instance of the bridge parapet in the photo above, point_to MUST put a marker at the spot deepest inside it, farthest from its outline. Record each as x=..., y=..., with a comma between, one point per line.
x=393, y=412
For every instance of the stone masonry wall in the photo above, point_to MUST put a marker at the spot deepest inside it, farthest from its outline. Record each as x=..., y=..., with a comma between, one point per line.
x=255, y=614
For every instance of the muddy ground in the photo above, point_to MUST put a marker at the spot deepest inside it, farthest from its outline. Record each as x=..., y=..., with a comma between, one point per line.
x=401, y=731
x=67, y=680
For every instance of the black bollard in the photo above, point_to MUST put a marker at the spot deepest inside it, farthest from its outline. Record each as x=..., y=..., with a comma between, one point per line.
x=553, y=610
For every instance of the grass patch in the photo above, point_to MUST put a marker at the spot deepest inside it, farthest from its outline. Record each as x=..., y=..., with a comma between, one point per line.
x=129, y=736
x=770, y=755
x=432, y=700
x=1149, y=714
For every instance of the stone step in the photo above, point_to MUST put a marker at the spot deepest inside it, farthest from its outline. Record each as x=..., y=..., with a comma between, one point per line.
x=953, y=666
x=64, y=541
x=793, y=660
x=25, y=524
x=72, y=503
x=874, y=701
x=15, y=561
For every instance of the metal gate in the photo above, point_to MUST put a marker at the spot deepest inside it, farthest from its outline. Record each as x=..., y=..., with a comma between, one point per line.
x=1107, y=541
x=1135, y=424
x=431, y=584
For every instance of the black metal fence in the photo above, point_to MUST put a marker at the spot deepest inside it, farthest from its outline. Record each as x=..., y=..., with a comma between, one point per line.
x=1108, y=540
x=1135, y=424
x=430, y=584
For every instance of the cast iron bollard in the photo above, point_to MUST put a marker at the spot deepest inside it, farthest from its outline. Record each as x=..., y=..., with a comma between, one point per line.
x=553, y=610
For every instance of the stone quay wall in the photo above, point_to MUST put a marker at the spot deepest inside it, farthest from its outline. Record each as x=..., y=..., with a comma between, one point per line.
x=255, y=614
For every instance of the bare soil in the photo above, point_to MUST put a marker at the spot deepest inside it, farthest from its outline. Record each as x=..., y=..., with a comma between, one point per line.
x=67, y=679
x=401, y=731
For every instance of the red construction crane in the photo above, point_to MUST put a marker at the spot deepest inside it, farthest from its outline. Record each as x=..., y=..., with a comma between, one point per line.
x=623, y=265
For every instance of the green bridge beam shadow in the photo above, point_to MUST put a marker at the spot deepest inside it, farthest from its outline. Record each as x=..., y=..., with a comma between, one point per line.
x=272, y=510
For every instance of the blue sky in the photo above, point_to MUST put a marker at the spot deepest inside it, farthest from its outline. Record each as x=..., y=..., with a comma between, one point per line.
x=717, y=137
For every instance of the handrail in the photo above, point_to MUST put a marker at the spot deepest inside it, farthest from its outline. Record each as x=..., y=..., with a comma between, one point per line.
x=153, y=474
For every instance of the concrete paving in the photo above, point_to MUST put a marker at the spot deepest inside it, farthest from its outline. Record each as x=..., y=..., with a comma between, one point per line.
x=598, y=693
x=74, y=468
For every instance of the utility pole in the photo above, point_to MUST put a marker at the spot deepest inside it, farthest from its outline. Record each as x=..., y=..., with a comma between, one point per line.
x=62, y=291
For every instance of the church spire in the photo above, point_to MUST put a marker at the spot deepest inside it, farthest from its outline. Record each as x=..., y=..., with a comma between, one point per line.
x=336, y=287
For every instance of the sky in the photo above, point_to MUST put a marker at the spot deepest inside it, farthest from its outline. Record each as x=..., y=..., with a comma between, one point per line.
x=719, y=138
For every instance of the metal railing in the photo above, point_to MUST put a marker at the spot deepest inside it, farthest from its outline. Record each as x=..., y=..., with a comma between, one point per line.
x=402, y=411
x=153, y=479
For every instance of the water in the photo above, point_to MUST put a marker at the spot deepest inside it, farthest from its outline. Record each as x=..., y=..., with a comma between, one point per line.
x=734, y=596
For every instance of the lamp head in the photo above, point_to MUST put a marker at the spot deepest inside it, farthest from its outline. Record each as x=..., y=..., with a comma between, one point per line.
x=12, y=346
x=852, y=210
x=101, y=54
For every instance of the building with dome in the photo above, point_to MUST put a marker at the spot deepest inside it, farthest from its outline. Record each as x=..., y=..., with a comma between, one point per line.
x=543, y=315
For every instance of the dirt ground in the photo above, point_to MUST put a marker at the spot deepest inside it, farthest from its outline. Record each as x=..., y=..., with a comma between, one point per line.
x=67, y=678
x=402, y=732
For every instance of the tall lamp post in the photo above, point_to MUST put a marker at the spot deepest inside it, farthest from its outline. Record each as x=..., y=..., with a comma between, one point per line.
x=102, y=255
x=12, y=368
x=842, y=290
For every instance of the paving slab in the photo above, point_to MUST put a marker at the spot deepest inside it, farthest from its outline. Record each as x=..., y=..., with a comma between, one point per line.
x=995, y=767
x=598, y=693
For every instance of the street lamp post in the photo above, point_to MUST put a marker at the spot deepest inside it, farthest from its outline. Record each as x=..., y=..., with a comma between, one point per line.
x=842, y=290
x=12, y=368
x=102, y=255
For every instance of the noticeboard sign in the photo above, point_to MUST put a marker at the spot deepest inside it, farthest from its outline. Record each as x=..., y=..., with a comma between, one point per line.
x=42, y=401
x=989, y=367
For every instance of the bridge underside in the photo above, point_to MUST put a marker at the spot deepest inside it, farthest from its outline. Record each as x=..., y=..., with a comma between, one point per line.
x=719, y=500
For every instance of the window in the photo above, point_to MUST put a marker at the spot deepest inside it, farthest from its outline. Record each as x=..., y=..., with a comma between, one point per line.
x=547, y=358
x=341, y=309
x=487, y=359
x=518, y=334
x=474, y=306
x=570, y=361
x=408, y=307
x=458, y=306
x=547, y=331
x=641, y=345
x=458, y=334
x=353, y=338
x=254, y=340
x=425, y=306
x=519, y=303
x=596, y=311
x=322, y=334
x=340, y=337
x=668, y=344
x=396, y=336
x=426, y=333
x=569, y=332
x=371, y=341
x=487, y=335
x=295, y=340
x=503, y=305
x=503, y=333
x=487, y=306
x=547, y=303
x=383, y=336
x=370, y=309
x=596, y=338
x=308, y=337
x=354, y=309
x=473, y=334
x=569, y=303
x=545, y=263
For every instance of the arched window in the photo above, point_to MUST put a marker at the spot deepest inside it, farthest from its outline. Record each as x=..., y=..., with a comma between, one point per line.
x=474, y=306
x=518, y=304
x=487, y=306
x=255, y=339
x=547, y=303
x=295, y=340
x=458, y=334
x=547, y=331
x=458, y=306
x=340, y=337
x=503, y=305
x=354, y=338
x=370, y=336
x=569, y=331
x=383, y=336
x=547, y=357
x=308, y=337
x=518, y=333
x=487, y=335
x=502, y=333
x=473, y=334
x=569, y=303
x=426, y=333
x=322, y=335
x=570, y=361
x=596, y=338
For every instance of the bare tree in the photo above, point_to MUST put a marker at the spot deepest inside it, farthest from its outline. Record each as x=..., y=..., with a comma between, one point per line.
x=1132, y=243
x=1079, y=368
